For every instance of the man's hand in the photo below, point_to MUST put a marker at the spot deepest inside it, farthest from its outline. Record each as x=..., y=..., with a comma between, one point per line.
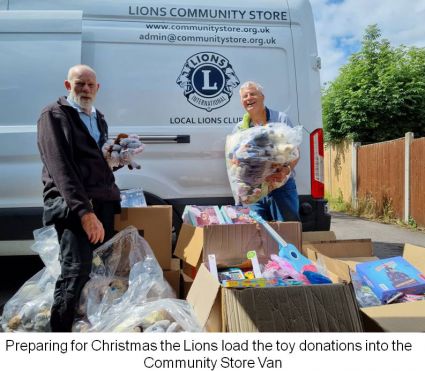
x=93, y=227
x=280, y=173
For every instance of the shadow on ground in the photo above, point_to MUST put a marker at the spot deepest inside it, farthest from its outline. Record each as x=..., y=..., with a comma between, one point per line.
x=387, y=250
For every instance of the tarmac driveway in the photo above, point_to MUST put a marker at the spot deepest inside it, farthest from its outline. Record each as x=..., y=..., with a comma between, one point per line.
x=388, y=240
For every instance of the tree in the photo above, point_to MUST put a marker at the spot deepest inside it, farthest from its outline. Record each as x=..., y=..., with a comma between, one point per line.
x=379, y=94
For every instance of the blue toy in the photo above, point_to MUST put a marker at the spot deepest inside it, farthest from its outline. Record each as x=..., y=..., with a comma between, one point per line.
x=316, y=278
x=286, y=250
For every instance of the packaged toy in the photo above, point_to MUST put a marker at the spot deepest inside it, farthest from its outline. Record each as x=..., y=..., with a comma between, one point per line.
x=387, y=277
x=202, y=215
x=236, y=214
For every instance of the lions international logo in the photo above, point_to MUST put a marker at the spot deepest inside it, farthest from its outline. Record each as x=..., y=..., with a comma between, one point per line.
x=208, y=80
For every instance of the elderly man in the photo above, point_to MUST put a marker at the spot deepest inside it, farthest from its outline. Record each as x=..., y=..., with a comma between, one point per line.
x=282, y=204
x=80, y=195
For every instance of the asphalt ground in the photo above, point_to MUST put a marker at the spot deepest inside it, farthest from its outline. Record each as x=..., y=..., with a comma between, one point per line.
x=388, y=239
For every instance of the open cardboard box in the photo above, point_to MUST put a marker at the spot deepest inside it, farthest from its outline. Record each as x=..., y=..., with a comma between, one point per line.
x=231, y=242
x=154, y=225
x=274, y=309
x=341, y=256
x=318, y=236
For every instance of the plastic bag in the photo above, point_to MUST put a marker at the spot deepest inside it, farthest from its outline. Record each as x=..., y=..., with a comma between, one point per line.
x=47, y=247
x=29, y=309
x=364, y=294
x=255, y=159
x=163, y=315
x=125, y=274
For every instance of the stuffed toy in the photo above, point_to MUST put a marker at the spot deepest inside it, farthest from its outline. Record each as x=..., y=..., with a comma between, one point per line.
x=121, y=151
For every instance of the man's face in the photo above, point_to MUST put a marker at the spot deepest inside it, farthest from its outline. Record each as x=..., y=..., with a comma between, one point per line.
x=82, y=87
x=252, y=100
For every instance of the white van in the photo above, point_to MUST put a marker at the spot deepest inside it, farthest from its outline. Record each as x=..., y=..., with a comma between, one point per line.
x=170, y=73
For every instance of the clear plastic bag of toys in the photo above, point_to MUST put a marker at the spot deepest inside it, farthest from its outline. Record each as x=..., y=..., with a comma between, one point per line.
x=162, y=315
x=29, y=309
x=257, y=159
x=125, y=274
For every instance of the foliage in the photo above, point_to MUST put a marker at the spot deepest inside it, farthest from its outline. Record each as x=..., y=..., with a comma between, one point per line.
x=337, y=203
x=379, y=94
x=412, y=223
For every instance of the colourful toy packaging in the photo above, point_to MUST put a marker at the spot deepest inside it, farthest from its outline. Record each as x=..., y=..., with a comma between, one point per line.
x=260, y=282
x=202, y=215
x=231, y=274
x=388, y=277
x=236, y=214
x=133, y=198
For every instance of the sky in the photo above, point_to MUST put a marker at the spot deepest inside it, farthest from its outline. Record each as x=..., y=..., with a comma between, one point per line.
x=340, y=25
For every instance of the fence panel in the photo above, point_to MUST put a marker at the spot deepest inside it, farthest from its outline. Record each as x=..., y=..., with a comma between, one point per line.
x=338, y=170
x=417, y=181
x=380, y=174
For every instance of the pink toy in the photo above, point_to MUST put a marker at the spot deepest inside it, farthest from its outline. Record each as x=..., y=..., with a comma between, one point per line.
x=286, y=269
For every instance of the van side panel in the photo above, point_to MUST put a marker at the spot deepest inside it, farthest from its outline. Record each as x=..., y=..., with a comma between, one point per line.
x=144, y=94
x=36, y=48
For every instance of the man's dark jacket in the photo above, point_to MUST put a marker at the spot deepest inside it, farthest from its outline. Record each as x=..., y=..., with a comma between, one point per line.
x=74, y=169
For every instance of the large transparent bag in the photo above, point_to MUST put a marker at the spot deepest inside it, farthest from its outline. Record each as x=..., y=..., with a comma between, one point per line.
x=29, y=309
x=255, y=159
x=161, y=315
x=125, y=276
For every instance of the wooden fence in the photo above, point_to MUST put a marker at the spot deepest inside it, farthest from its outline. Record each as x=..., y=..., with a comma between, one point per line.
x=417, y=181
x=380, y=175
x=391, y=174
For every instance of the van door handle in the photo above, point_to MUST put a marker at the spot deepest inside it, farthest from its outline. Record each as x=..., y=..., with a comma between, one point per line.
x=159, y=139
x=165, y=138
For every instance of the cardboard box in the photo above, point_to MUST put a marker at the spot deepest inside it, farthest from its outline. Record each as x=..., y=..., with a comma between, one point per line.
x=231, y=242
x=307, y=308
x=154, y=224
x=318, y=236
x=338, y=248
x=318, y=308
x=189, y=270
x=402, y=317
x=186, y=284
x=325, y=308
x=173, y=278
x=341, y=257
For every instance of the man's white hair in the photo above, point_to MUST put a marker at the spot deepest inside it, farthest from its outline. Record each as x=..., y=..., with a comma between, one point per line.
x=251, y=84
x=79, y=66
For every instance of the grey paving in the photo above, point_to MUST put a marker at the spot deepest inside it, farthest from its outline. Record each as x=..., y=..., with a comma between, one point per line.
x=388, y=239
